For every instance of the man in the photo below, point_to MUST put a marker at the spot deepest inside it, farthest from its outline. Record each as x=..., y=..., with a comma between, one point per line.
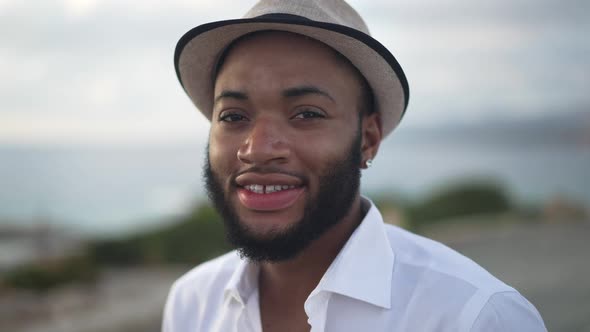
x=299, y=98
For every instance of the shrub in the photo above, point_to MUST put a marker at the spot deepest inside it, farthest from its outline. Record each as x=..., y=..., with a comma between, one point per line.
x=44, y=276
x=195, y=238
x=459, y=201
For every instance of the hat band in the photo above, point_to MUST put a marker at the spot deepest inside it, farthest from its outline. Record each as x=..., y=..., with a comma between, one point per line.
x=283, y=16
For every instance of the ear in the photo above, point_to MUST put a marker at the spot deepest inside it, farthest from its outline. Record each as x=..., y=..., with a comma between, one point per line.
x=371, y=131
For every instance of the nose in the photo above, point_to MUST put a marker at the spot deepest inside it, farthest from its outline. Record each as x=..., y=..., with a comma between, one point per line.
x=265, y=143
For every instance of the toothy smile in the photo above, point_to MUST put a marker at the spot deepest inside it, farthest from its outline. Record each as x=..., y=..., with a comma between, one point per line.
x=267, y=189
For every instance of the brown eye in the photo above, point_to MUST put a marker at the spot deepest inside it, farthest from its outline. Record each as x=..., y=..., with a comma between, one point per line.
x=309, y=113
x=232, y=117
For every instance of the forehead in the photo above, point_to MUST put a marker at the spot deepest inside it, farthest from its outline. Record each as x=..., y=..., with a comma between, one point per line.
x=270, y=46
x=274, y=60
x=270, y=37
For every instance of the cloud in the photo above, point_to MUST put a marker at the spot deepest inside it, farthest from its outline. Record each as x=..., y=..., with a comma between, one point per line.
x=473, y=59
x=80, y=70
x=79, y=8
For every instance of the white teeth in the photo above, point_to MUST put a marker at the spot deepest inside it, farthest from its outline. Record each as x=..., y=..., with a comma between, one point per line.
x=267, y=189
x=255, y=188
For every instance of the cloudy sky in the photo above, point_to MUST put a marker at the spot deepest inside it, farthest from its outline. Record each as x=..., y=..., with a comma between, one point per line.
x=101, y=72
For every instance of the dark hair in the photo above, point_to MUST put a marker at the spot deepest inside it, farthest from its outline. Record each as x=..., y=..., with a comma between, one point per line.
x=366, y=100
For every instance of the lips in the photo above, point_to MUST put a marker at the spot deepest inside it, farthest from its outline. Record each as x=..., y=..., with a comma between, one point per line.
x=268, y=192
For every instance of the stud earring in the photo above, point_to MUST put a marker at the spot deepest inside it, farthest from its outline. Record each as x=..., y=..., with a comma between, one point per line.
x=369, y=163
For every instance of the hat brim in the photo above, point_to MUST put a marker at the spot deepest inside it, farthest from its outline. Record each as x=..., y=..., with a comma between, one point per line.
x=197, y=53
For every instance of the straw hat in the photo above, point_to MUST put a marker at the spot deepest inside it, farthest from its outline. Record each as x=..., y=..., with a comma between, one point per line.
x=332, y=22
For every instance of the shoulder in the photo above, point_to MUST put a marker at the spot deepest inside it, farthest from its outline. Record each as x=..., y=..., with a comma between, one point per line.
x=440, y=263
x=192, y=293
x=454, y=289
x=508, y=311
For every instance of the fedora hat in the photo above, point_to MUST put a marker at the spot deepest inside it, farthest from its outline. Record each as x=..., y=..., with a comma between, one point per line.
x=332, y=22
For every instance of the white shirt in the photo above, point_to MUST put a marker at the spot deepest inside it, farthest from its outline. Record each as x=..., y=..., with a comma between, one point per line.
x=383, y=279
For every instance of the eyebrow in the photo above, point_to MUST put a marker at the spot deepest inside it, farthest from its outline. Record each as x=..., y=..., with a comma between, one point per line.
x=298, y=91
x=231, y=94
x=304, y=90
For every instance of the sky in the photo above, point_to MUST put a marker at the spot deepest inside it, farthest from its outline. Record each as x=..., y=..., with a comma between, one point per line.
x=91, y=72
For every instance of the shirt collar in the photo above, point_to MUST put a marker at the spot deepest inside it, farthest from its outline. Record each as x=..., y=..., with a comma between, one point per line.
x=364, y=267
x=362, y=270
x=243, y=281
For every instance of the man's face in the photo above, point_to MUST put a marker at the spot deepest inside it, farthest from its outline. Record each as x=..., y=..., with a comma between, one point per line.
x=285, y=144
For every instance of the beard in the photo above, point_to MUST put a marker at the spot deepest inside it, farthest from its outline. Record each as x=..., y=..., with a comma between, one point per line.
x=338, y=187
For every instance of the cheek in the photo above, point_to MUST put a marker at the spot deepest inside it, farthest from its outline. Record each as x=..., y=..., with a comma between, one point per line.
x=324, y=153
x=332, y=142
x=222, y=155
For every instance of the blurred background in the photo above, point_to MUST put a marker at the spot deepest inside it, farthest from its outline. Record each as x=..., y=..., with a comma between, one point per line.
x=101, y=200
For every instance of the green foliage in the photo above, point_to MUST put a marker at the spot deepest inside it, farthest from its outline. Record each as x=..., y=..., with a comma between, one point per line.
x=199, y=236
x=388, y=200
x=116, y=252
x=460, y=200
x=195, y=238
x=41, y=277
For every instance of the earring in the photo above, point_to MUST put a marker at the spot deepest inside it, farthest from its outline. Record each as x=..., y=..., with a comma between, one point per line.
x=369, y=163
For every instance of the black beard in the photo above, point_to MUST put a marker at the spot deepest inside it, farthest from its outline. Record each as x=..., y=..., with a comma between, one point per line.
x=338, y=187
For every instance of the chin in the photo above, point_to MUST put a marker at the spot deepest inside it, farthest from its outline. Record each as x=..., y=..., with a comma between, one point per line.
x=268, y=224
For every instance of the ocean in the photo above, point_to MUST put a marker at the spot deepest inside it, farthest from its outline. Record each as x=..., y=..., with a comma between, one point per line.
x=97, y=190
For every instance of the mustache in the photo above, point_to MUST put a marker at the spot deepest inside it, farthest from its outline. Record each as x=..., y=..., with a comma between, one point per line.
x=269, y=170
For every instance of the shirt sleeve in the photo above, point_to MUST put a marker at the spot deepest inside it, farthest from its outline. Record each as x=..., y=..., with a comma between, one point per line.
x=508, y=311
x=167, y=321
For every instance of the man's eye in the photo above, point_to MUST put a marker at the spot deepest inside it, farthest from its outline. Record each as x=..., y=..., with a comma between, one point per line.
x=232, y=117
x=309, y=114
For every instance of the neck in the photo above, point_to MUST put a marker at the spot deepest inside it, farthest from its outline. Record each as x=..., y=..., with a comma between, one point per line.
x=297, y=277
